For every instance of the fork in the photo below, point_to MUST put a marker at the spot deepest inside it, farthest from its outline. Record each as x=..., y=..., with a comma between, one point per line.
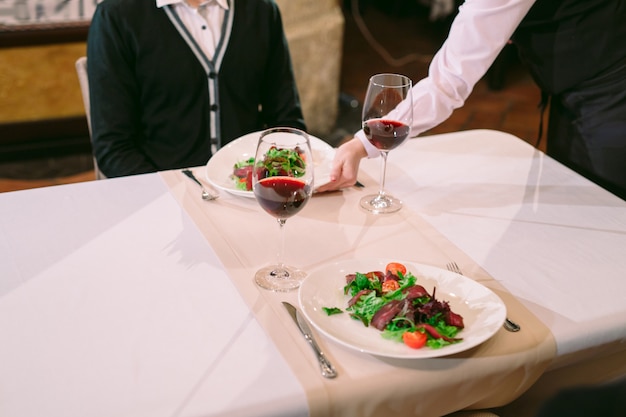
x=508, y=324
x=205, y=194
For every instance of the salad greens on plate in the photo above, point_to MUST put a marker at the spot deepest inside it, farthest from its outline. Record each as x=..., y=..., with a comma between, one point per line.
x=393, y=302
x=277, y=161
x=242, y=174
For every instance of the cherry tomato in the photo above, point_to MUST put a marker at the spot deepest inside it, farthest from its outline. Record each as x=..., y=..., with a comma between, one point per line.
x=375, y=276
x=395, y=268
x=414, y=340
x=390, y=285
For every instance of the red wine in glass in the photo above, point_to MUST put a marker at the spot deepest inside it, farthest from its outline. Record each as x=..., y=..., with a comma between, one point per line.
x=385, y=134
x=282, y=197
x=282, y=183
x=386, y=125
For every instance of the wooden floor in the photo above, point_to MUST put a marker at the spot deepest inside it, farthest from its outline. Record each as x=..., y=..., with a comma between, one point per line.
x=393, y=35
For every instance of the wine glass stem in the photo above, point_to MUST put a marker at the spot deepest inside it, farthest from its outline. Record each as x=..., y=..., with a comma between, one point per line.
x=281, y=245
x=383, y=170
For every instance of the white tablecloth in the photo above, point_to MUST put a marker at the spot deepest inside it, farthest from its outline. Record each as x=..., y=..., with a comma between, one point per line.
x=108, y=303
x=133, y=297
x=552, y=238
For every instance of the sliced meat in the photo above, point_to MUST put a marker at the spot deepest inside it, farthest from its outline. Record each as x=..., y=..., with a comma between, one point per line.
x=454, y=319
x=415, y=291
x=386, y=313
x=434, y=333
x=357, y=296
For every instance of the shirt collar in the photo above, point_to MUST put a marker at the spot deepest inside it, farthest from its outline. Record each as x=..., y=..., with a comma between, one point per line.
x=221, y=3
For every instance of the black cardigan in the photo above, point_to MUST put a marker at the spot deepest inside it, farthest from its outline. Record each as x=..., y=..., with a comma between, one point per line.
x=153, y=94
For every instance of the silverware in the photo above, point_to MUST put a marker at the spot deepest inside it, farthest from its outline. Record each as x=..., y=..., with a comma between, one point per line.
x=328, y=371
x=205, y=194
x=508, y=324
x=511, y=325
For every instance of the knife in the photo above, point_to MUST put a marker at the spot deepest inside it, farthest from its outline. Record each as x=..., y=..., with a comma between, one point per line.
x=328, y=371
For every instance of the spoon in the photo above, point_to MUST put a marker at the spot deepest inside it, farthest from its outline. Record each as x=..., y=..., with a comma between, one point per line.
x=511, y=325
x=205, y=194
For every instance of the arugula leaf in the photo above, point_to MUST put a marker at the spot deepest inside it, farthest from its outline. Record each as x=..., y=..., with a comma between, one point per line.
x=362, y=282
x=395, y=334
x=244, y=163
x=366, y=307
x=446, y=330
x=406, y=280
x=436, y=343
x=280, y=161
x=332, y=310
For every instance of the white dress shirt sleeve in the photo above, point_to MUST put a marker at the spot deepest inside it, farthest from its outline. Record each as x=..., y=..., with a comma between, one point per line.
x=479, y=32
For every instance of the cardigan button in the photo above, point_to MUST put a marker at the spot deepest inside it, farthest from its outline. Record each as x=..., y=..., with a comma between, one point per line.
x=212, y=75
x=214, y=107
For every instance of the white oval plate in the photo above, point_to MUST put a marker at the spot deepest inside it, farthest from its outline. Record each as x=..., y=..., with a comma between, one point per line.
x=220, y=166
x=482, y=310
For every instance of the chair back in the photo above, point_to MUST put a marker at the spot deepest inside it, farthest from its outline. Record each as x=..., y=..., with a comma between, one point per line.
x=83, y=80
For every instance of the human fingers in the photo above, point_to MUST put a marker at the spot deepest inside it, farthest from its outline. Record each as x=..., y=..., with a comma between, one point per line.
x=345, y=166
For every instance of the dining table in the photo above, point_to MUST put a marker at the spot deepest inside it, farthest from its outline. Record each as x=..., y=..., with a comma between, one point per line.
x=133, y=296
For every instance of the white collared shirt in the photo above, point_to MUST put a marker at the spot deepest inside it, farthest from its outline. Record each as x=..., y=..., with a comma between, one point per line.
x=204, y=23
x=479, y=32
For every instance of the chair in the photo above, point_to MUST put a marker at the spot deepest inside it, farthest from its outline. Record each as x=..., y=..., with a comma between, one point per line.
x=81, y=69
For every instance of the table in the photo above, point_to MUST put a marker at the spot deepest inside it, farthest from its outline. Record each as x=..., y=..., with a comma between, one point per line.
x=134, y=297
x=541, y=230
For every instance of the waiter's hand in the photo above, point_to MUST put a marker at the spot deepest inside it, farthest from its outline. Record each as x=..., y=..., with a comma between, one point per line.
x=345, y=166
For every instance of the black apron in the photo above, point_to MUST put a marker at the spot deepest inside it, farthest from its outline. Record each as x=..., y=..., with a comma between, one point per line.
x=576, y=52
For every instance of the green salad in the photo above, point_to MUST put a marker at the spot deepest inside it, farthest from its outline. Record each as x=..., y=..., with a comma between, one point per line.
x=277, y=162
x=404, y=311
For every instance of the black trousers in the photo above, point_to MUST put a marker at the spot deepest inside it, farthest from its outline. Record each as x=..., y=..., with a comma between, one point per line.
x=587, y=129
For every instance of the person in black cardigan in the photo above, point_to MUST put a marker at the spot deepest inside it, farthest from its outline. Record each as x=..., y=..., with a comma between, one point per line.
x=158, y=102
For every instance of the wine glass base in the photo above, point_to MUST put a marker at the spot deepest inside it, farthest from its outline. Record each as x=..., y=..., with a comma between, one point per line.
x=381, y=203
x=275, y=278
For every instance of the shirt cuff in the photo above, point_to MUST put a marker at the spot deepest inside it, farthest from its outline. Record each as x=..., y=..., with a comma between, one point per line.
x=372, y=151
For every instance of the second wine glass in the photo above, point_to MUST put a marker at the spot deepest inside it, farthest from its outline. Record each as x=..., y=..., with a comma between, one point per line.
x=282, y=182
x=386, y=124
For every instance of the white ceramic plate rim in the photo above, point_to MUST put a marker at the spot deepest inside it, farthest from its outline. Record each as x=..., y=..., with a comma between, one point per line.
x=482, y=310
x=220, y=166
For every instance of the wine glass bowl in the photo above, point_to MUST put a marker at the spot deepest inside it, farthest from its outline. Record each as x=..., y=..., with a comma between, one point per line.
x=282, y=183
x=385, y=134
x=387, y=119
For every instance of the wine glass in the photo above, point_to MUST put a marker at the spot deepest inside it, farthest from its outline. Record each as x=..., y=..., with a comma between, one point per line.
x=386, y=125
x=282, y=182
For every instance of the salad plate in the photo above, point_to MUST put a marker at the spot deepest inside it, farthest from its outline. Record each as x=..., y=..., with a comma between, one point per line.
x=220, y=167
x=482, y=310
